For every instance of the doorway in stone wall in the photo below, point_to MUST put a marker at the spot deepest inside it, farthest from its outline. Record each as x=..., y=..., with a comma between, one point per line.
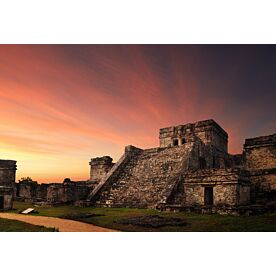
x=208, y=196
x=1, y=202
x=202, y=163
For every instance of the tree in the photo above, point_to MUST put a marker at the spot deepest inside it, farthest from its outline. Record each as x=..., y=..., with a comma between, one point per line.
x=27, y=180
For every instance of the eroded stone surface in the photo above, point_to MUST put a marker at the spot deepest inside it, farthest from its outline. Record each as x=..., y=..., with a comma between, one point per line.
x=54, y=193
x=191, y=169
x=7, y=183
x=99, y=167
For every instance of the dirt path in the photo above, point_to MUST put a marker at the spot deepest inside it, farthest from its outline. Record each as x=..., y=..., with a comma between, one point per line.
x=64, y=225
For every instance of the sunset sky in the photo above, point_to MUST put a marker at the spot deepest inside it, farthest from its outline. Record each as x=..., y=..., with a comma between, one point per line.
x=64, y=104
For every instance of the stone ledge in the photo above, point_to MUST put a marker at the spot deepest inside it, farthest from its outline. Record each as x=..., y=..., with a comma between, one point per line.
x=261, y=141
x=7, y=164
x=262, y=172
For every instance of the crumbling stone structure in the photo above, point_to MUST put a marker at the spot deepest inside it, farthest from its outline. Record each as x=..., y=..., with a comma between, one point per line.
x=191, y=169
x=260, y=161
x=209, y=132
x=99, y=167
x=53, y=193
x=7, y=183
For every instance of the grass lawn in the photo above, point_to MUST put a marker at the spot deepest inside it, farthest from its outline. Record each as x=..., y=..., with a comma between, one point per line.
x=8, y=225
x=109, y=217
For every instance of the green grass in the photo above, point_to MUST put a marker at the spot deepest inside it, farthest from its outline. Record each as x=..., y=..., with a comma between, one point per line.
x=196, y=222
x=8, y=225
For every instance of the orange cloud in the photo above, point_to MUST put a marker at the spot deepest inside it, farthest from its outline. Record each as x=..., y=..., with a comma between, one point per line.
x=61, y=105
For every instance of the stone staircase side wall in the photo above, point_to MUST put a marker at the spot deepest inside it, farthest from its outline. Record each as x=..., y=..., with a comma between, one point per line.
x=113, y=174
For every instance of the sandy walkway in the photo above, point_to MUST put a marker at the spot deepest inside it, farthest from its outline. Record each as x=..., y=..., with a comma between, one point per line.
x=64, y=225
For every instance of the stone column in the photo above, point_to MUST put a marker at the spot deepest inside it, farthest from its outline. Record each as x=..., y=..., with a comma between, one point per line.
x=7, y=183
x=99, y=167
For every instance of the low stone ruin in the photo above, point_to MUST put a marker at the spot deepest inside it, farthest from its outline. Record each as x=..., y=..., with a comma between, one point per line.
x=53, y=193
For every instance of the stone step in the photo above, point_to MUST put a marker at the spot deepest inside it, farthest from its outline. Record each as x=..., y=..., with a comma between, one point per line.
x=145, y=178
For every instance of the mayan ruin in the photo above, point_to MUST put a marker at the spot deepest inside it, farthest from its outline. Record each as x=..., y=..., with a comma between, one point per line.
x=7, y=183
x=190, y=170
x=137, y=138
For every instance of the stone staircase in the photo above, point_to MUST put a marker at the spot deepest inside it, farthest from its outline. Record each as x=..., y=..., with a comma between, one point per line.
x=130, y=153
x=147, y=179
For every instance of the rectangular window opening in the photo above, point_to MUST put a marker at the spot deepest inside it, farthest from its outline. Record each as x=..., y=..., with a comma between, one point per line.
x=175, y=142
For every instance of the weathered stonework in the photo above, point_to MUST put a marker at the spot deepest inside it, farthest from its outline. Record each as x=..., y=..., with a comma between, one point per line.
x=7, y=183
x=144, y=177
x=54, y=193
x=230, y=187
x=260, y=161
x=208, y=131
x=99, y=167
x=191, y=169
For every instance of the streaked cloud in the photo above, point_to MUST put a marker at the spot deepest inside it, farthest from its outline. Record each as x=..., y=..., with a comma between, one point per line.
x=62, y=105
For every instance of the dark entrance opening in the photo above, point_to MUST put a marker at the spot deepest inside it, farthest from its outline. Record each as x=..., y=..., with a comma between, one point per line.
x=1, y=202
x=183, y=141
x=18, y=191
x=175, y=142
x=202, y=163
x=214, y=162
x=208, y=196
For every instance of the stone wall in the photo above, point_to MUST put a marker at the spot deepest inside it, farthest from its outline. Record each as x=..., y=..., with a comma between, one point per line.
x=42, y=192
x=244, y=194
x=263, y=186
x=53, y=193
x=260, y=152
x=223, y=195
x=230, y=188
x=26, y=190
x=260, y=161
x=99, y=167
x=7, y=173
x=67, y=193
x=6, y=198
x=7, y=183
x=208, y=132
